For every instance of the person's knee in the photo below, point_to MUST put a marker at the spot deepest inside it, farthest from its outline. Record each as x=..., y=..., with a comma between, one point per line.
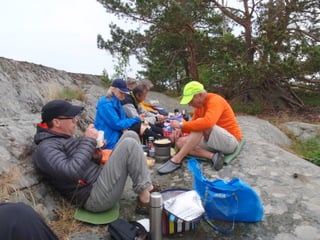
x=131, y=134
x=131, y=142
x=230, y=147
x=194, y=137
x=180, y=142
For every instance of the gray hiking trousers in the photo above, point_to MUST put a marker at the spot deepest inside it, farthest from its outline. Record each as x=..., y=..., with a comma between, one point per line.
x=220, y=140
x=127, y=159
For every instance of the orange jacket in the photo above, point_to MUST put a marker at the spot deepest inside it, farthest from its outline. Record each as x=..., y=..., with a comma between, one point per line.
x=215, y=111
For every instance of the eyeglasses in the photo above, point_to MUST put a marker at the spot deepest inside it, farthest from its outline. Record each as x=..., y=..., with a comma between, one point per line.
x=64, y=118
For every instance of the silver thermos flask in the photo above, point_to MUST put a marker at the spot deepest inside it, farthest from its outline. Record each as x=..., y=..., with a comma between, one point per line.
x=155, y=216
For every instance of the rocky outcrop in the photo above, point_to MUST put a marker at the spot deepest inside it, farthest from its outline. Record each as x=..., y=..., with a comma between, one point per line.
x=25, y=88
x=302, y=131
x=287, y=184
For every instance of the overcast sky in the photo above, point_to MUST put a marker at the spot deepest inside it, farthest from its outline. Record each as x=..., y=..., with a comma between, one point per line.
x=57, y=33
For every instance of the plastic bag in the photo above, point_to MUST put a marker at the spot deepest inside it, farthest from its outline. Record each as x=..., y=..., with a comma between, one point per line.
x=232, y=200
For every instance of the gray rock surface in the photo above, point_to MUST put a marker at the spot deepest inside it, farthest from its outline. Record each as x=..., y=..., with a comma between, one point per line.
x=288, y=185
x=302, y=131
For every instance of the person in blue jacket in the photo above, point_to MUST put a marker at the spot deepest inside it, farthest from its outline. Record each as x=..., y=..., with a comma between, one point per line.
x=111, y=117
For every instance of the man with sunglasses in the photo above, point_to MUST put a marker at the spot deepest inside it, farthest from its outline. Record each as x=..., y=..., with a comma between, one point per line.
x=72, y=166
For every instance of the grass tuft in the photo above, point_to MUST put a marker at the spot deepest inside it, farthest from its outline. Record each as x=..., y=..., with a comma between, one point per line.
x=7, y=186
x=310, y=149
x=65, y=224
x=68, y=93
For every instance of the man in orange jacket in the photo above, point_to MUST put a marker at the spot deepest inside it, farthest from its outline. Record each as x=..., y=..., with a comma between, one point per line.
x=213, y=129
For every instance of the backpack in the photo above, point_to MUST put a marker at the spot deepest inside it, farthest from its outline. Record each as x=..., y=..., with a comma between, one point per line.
x=124, y=230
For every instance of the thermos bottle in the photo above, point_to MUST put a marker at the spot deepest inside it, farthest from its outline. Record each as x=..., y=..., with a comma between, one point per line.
x=155, y=216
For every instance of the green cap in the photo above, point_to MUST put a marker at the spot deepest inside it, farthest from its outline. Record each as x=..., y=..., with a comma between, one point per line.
x=191, y=89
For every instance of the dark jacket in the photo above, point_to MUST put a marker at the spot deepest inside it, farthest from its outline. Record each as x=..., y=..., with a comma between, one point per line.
x=133, y=108
x=66, y=163
x=20, y=221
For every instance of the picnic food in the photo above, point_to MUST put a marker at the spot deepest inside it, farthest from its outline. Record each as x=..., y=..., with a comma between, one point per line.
x=162, y=141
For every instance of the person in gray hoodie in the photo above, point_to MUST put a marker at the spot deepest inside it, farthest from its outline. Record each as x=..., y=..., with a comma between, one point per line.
x=72, y=164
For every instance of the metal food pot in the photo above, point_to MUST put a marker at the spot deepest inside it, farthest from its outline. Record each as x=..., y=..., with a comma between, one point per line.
x=162, y=149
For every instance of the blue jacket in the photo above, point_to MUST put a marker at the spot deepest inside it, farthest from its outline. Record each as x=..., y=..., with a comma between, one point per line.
x=111, y=118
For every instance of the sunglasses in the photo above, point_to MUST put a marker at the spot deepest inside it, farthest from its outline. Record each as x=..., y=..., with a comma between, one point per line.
x=74, y=119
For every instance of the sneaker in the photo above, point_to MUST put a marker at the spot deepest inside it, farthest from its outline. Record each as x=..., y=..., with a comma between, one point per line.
x=217, y=160
x=168, y=167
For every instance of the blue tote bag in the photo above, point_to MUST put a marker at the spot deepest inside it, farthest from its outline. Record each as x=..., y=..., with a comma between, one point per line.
x=233, y=200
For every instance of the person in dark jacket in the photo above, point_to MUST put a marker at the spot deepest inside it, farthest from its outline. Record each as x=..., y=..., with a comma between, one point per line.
x=72, y=164
x=18, y=221
x=132, y=108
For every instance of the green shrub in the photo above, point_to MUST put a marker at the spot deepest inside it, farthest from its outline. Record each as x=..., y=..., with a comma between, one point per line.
x=310, y=98
x=105, y=78
x=252, y=108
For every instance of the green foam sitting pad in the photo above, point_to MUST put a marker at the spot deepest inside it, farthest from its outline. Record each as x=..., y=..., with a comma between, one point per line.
x=99, y=217
x=227, y=157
